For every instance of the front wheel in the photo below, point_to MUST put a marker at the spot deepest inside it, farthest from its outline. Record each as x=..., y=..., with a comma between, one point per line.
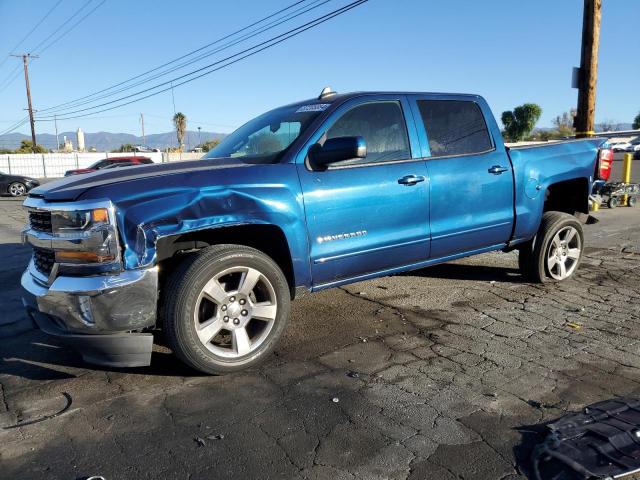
x=227, y=306
x=557, y=249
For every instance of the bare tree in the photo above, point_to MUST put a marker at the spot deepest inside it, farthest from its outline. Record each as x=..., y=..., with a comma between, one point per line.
x=564, y=123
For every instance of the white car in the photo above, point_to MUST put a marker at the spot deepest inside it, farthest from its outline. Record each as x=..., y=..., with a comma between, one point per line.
x=634, y=146
x=620, y=146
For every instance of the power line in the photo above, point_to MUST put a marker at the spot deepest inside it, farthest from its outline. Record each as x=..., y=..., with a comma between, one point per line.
x=73, y=26
x=9, y=79
x=61, y=26
x=15, y=126
x=32, y=30
x=78, y=101
x=14, y=76
x=241, y=55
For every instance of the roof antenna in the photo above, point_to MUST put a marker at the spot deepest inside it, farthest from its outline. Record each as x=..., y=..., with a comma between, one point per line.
x=326, y=92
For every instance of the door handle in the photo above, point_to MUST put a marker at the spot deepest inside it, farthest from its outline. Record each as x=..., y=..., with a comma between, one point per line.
x=411, y=180
x=497, y=169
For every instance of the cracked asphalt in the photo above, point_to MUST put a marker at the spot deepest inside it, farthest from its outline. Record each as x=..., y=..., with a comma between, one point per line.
x=440, y=373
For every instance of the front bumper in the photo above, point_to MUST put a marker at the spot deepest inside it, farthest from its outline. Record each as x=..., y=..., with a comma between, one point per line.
x=97, y=315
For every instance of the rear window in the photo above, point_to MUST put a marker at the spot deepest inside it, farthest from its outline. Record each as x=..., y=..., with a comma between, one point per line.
x=454, y=127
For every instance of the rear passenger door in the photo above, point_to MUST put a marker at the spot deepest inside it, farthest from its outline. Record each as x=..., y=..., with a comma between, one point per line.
x=471, y=180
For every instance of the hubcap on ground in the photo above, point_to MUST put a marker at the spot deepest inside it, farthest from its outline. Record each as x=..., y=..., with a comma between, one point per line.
x=235, y=312
x=564, y=253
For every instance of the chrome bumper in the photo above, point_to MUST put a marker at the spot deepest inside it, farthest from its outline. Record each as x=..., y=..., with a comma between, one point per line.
x=103, y=304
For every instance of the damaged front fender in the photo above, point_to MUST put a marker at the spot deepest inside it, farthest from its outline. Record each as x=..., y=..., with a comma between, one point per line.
x=149, y=209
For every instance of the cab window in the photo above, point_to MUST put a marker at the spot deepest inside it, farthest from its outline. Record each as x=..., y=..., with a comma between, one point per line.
x=383, y=128
x=454, y=127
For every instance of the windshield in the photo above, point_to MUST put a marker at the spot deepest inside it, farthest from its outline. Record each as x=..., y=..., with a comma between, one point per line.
x=265, y=138
x=99, y=164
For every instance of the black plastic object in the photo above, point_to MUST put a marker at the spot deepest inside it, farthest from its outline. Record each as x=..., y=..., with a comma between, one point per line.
x=120, y=350
x=601, y=442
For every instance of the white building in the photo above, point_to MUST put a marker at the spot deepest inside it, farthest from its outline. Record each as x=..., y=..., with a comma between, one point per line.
x=80, y=138
x=68, y=145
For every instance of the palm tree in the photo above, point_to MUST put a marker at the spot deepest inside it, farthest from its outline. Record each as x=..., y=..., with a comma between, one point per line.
x=180, y=122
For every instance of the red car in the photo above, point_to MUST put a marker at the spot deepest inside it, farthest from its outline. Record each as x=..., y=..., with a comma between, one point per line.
x=114, y=162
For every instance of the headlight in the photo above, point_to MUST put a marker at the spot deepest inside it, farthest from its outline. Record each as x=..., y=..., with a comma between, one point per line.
x=90, y=236
x=77, y=220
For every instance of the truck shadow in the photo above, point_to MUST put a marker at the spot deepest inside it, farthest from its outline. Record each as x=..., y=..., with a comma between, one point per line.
x=458, y=271
x=35, y=356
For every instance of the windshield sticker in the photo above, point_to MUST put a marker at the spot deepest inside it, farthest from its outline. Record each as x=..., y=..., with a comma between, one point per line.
x=316, y=107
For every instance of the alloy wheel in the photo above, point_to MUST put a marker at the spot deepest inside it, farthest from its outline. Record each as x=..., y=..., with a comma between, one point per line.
x=17, y=189
x=235, y=311
x=564, y=253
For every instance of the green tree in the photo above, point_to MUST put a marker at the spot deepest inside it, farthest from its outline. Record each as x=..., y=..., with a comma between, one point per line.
x=125, y=147
x=519, y=122
x=26, y=147
x=208, y=145
x=180, y=123
x=636, y=122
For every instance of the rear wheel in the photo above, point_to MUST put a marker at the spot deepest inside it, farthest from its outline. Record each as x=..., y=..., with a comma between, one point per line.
x=631, y=201
x=226, y=308
x=612, y=202
x=17, y=189
x=557, y=249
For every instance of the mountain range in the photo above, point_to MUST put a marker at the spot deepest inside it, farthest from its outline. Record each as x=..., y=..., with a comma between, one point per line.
x=106, y=141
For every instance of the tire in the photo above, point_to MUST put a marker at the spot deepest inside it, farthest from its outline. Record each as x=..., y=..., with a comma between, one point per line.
x=557, y=248
x=612, y=202
x=631, y=201
x=244, y=323
x=17, y=189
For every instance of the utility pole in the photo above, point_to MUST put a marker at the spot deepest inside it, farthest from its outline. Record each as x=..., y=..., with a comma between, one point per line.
x=199, y=137
x=144, y=141
x=588, y=73
x=55, y=122
x=25, y=61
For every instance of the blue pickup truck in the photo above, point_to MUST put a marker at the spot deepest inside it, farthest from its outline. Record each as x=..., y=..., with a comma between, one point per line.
x=313, y=195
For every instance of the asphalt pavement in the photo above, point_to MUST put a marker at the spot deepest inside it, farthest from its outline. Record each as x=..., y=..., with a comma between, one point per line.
x=440, y=374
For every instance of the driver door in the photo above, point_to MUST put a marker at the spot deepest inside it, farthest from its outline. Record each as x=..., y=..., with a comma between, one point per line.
x=372, y=214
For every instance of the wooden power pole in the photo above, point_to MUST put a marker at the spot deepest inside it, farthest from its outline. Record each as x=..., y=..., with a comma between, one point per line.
x=25, y=61
x=588, y=74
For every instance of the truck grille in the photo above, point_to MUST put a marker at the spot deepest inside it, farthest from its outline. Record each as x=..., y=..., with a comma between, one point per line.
x=43, y=260
x=40, y=220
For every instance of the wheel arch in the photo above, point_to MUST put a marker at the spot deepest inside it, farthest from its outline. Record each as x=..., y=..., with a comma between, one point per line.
x=268, y=238
x=568, y=196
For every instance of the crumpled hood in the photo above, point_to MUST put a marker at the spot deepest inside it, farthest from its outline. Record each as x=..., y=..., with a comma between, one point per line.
x=72, y=187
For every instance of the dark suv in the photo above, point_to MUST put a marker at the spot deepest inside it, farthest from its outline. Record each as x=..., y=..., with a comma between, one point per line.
x=111, y=163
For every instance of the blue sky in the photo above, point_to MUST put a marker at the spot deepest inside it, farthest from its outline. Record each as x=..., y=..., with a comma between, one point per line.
x=510, y=52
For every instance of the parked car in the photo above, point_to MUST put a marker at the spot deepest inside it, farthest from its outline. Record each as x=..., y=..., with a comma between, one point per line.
x=112, y=162
x=144, y=148
x=634, y=146
x=309, y=196
x=620, y=146
x=16, y=185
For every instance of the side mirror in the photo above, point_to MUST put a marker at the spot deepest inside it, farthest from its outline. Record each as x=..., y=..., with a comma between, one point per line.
x=336, y=150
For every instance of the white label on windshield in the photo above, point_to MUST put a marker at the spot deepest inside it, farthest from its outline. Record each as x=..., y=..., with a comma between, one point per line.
x=316, y=107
